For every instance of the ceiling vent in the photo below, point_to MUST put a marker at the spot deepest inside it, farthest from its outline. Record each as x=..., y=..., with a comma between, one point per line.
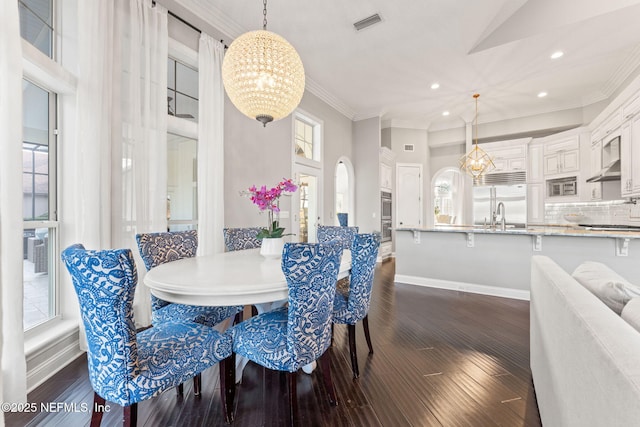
x=367, y=22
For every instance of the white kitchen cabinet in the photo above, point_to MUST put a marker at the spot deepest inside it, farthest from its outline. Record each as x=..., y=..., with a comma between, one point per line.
x=507, y=158
x=626, y=182
x=630, y=158
x=535, y=173
x=386, y=174
x=635, y=156
x=535, y=203
x=562, y=156
x=595, y=188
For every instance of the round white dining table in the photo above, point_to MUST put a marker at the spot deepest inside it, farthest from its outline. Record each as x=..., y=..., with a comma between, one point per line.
x=229, y=278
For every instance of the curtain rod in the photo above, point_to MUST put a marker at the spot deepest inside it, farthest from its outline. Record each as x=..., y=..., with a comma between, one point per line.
x=188, y=24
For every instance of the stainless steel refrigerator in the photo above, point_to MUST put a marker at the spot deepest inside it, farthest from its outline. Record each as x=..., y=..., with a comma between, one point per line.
x=514, y=198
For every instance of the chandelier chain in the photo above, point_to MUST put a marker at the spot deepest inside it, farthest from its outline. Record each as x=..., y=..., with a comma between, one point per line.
x=264, y=14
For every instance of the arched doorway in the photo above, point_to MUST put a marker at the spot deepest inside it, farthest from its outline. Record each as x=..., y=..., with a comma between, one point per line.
x=344, y=191
x=448, y=196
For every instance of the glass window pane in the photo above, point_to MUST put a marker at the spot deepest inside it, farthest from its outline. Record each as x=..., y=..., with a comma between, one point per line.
x=182, y=174
x=35, y=152
x=41, y=161
x=171, y=101
x=38, y=294
x=41, y=8
x=171, y=73
x=186, y=80
x=35, y=30
x=186, y=107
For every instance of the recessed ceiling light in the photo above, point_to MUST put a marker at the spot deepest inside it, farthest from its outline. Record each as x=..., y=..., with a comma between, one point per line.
x=556, y=55
x=542, y=94
x=445, y=113
x=435, y=85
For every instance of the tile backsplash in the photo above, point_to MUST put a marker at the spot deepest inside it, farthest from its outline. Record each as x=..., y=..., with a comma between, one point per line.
x=615, y=212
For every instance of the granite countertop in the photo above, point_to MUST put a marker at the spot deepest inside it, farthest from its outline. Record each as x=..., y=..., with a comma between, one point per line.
x=546, y=230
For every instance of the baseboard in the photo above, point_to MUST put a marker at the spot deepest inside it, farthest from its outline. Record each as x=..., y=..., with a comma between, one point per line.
x=51, y=357
x=464, y=287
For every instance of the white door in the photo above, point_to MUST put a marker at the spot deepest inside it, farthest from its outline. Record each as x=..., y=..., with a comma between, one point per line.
x=409, y=195
x=306, y=204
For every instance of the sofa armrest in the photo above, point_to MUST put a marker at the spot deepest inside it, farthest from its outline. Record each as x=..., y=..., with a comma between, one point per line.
x=584, y=357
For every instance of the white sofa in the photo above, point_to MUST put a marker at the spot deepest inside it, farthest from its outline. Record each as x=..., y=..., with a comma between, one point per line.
x=585, y=359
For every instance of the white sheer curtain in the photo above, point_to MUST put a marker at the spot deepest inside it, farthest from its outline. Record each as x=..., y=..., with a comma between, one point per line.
x=13, y=381
x=210, y=147
x=94, y=113
x=139, y=148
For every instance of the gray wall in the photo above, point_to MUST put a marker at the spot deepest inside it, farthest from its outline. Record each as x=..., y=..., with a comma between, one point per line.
x=338, y=131
x=366, y=162
x=257, y=155
x=419, y=138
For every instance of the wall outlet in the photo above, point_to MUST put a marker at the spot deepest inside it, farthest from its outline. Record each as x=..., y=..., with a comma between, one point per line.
x=373, y=215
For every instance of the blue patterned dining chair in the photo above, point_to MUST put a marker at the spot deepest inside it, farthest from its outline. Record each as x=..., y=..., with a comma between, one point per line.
x=126, y=367
x=237, y=239
x=327, y=233
x=158, y=248
x=352, y=303
x=288, y=338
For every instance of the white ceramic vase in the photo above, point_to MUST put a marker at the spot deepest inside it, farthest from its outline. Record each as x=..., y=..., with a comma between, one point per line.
x=272, y=247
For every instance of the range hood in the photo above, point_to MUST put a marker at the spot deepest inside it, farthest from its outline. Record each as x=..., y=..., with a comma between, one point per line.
x=610, y=172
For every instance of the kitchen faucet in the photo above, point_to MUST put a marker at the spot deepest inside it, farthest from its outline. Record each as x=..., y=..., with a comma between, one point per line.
x=500, y=211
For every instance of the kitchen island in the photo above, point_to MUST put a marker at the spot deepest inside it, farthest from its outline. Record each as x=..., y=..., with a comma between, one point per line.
x=495, y=262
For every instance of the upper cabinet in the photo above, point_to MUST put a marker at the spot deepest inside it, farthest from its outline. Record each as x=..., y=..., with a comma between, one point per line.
x=562, y=156
x=508, y=156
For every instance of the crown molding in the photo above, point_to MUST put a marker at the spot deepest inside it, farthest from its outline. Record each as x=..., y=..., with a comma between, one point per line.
x=631, y=63
x=313, y=87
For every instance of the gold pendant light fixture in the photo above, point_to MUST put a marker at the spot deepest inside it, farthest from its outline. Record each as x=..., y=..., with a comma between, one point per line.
x=263, y=74
x=476, y=162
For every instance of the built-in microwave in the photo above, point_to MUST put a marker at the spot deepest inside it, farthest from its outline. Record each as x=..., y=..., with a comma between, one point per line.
x=562, y=187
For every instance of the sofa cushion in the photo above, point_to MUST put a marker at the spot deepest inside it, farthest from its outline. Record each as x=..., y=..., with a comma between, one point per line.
x=606, y=284
x=631, y=313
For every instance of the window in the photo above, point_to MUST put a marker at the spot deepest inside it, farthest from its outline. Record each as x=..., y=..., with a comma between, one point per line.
x=182, y=90
x=39, y=204
x=182, y=177
x=36, y=24
x=307, y=172
x=306, y=137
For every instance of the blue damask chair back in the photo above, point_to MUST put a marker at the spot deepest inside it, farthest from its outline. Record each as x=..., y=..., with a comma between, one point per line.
x=126, y=367
x=352, y=304
x=237, y=239
x=288, y=338
x=158, y=248
x=311, y=271
x=343, y=219
x=105, y=282
x=326, y=233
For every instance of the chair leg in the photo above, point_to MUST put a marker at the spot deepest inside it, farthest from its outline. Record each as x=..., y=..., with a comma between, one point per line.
x=197, y=384
x=332, y=333
x=130, y=418
x=179, y=390
x=293, y=398
x=98, y=410
x=228, y=386
x=325, y=365
x=365, y=324
x=238, y=318
x=352, y=350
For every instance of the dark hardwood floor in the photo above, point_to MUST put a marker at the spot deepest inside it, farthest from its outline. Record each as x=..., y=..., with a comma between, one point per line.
x=442, y=358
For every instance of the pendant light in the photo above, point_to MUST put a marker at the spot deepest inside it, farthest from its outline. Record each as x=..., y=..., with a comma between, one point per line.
x=263, y=74
x=476, y=162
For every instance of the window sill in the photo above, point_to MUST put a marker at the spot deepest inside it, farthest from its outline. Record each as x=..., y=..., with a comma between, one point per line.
x=42, y=337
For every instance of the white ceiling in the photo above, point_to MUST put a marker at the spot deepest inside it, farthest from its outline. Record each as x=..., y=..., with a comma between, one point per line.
x=498, y=48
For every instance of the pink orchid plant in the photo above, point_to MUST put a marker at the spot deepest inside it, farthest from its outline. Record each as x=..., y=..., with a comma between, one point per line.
x=267, y=200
